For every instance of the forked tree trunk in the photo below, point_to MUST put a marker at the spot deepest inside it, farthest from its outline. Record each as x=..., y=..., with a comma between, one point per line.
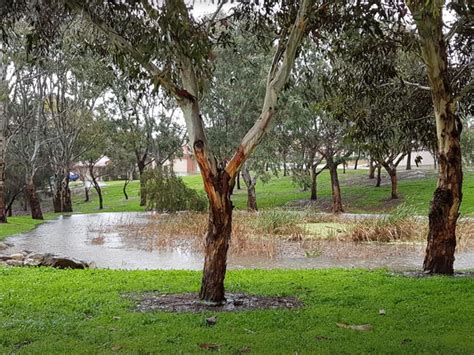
x=444, y=209
x=35, y=205
x=392, y=172
x=335, y=187
x=217, y=241
x=371, y=169
x=66, y=195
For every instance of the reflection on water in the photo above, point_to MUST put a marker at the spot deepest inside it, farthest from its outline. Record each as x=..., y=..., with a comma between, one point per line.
x=92, y=238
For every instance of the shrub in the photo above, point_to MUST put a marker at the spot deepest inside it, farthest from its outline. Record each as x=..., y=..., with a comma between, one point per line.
x=167, y=192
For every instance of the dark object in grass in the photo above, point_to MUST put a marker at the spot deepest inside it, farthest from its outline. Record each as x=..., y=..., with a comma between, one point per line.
x=190, y=302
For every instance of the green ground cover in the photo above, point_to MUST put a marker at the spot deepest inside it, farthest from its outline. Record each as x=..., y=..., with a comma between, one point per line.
x=75, y=311
x=357, y=196
x=20, y=224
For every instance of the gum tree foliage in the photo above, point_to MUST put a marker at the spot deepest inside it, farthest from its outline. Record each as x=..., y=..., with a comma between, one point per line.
x=165, y=44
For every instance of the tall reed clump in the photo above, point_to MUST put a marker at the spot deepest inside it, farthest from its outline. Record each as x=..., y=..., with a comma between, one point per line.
x=400, y=225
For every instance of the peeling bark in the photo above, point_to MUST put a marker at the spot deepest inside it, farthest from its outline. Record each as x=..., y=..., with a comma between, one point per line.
x=444, y=209
x=33, y=199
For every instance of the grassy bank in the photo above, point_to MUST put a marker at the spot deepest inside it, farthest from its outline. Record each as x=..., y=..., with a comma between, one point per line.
x=20, y=224
x=358, y=194
x=53, y=311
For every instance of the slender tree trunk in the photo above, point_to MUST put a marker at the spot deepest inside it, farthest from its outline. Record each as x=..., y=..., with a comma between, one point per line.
x=371, y=169
x=125, y=188
x=34, y=201
x=444, y=209
x=96, y=186
x=379, y=176
x=356, y=163
x=314, y=187
x=335, y=187
x=238, y=181
x=251, y=194
x=408, y=160
x=285, y=171
x=141, y=171
x=86, y=192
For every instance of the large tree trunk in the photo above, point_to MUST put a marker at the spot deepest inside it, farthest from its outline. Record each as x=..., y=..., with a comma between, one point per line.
x=444, y=209
x=251, y=194
x=217, y=241
x=3, y=216
x=335, y=187
x=33, y=199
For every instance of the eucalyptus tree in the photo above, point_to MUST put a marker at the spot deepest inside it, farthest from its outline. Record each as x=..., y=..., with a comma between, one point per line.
x=3, y=127
x=448, y=59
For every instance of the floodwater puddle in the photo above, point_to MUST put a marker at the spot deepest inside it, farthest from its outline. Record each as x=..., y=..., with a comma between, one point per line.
x=117, y=241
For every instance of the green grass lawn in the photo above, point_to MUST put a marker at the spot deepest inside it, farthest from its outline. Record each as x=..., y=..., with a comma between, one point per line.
x=73, y=311
x=20, y=224
x=280, y=190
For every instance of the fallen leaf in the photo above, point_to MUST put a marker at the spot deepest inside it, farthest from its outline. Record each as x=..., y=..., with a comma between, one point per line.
x=209, y=346
x=358, y=327
x=321, y=337
x=116, y=347
x=211, y=321
x=382, y=312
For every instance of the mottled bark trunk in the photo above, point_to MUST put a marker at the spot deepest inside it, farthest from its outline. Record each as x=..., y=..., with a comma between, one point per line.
x=408, y=167
x=3, y=216
x=335, y=187
x=371, y=169
x=444, y=209
x=217, y=241
x=57, y=200
x=35, y=205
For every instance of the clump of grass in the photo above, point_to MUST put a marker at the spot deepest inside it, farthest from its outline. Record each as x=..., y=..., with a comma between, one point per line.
x=400, y=225
x=277, y=222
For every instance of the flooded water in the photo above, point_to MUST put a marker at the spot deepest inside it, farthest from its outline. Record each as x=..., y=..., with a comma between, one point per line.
x=100, y=238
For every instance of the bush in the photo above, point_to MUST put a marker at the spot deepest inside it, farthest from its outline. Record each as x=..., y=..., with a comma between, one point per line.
x=167, y=192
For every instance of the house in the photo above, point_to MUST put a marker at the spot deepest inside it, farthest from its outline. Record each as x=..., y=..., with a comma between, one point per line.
x=185, y=165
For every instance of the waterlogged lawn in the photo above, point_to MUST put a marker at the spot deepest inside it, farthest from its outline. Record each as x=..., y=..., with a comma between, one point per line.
x=74, y=311
x=416, y=193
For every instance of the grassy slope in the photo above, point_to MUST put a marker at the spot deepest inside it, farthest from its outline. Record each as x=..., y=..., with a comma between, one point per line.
x=279, y=191
x=54, y=311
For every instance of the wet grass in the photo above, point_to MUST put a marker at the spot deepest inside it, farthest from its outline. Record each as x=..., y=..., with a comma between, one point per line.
x=358, y=194
x=20, y=224
x=72, y=311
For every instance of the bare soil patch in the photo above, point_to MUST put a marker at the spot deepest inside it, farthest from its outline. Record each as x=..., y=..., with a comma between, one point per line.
x=190, y=302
